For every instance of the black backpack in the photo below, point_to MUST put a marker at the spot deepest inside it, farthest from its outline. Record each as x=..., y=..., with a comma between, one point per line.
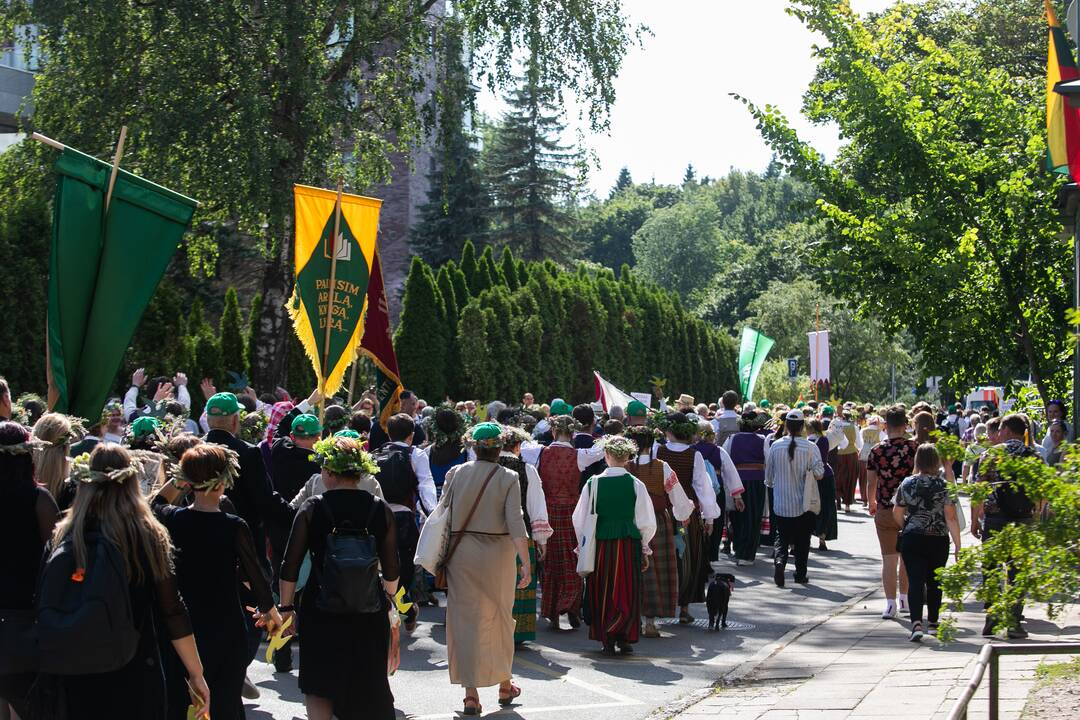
x=1011, y=499
x=350, y=583
x=85, y=623
x=396, y=476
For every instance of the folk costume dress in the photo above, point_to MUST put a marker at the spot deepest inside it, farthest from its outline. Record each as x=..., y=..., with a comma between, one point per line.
x=625, y=524
x=480, y=575
x=847, y=461
x=534, y=508
x=689, y=466
x=827, y=525
x=560, y=466
x=747, y=452
x=660, y=582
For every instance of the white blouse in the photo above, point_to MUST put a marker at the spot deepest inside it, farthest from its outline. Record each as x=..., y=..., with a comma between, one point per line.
x=535, y=504
x=644, y=518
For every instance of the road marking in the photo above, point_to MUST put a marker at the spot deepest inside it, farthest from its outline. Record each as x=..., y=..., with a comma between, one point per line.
x=622, y=699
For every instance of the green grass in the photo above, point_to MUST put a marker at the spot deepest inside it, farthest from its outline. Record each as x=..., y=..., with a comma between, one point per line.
x=1049, y=672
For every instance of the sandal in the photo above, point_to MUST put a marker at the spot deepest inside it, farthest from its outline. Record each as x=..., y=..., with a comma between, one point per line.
x=472, y=706
x=507, y=700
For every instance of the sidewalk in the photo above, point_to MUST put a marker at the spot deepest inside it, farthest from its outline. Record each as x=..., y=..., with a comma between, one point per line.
x=856, y=665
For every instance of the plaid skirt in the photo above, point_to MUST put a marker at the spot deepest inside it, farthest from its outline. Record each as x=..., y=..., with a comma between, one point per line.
x=660, y=583
x=694, y=564
x=525, y=604
x=613, y=592
x=561, y=583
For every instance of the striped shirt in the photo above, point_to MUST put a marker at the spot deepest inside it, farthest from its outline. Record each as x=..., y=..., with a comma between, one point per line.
x=787, y=477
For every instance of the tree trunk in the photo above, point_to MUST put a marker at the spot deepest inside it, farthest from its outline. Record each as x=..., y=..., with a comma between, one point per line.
x=268, y=357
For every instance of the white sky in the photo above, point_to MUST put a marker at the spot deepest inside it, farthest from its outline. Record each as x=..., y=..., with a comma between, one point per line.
x=672, y=105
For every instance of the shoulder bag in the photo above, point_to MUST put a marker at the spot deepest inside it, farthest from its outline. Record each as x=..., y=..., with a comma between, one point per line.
x=440, y=569
x=586, y=549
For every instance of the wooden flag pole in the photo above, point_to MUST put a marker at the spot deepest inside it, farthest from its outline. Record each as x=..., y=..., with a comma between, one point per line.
x=352, y=378
x=330, y=296
x=115, y=165
x=48, y=141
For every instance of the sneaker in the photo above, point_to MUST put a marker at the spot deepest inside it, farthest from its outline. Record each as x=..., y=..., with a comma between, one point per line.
x=1017, y=634
x=743, y=563
x=903, y=605
x=889, y=613
x=249, y=691
x=916, y=632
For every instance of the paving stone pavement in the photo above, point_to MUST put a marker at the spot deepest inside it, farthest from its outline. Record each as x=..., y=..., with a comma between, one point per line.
x=857, y=665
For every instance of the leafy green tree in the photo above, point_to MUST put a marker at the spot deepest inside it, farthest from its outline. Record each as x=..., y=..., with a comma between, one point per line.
x=158, y=343
x=208, y=362
x=232, y=338
x=606, y=229
x=196, y=322
x=233, y=102
x=690, y=176
x=623, y=182
x=680, y=247
x=445, y=286
x=508, y=269
x=529, y=171
x=470, y=267
x=458, y=205
x=422, y=336
x=494, y=274
x=461, y=286
x=939, y=213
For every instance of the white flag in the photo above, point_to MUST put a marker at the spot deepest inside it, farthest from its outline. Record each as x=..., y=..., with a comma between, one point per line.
x=608, y=395
x=819, y=356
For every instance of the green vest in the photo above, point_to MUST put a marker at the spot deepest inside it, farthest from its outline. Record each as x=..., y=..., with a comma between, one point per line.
x=615, y=501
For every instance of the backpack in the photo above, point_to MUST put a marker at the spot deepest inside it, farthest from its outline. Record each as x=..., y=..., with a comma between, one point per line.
x=396, y=476
x=85, y=623
x=1011, y=499
x=350, y=583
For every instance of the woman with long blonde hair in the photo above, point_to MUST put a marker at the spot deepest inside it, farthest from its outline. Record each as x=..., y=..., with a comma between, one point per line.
x=110, y=502
x=51, y=463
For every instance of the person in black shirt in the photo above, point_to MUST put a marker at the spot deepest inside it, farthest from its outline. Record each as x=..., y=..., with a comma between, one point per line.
x=212, y=547
x=110, y=501
x=343, y=661
x=29, y=516
x=379, y=437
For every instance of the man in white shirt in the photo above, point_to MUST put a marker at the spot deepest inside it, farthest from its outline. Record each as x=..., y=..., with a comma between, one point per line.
x=726, y=422
x=159, y=389
x=405, y=478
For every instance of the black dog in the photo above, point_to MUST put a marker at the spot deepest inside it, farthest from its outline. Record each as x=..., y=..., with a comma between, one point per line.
x=718, y=597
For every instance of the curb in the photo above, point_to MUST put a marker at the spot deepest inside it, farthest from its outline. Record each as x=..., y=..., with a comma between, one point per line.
x=759, y=658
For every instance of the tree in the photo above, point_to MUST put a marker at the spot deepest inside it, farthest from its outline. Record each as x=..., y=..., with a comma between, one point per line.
x=470, y=267
x=158, y=343
x=233, y=102
x=605, y=230
x=940, y=189
x=508, y=269
x=458, y=204
x=623, y=182
x=252, y=335
x=529, y=173
x=421, y=337
x=680, y=247
x=445, y=286
x=232, y=338
x=690, y=176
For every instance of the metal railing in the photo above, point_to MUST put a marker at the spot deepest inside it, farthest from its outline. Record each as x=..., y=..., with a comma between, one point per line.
x=989, y=659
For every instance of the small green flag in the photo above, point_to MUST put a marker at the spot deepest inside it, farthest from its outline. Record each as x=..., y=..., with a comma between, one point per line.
x=752, y=352
x=103, y=270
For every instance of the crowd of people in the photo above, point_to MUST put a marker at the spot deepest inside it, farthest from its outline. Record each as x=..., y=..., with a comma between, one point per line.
x=301, y=521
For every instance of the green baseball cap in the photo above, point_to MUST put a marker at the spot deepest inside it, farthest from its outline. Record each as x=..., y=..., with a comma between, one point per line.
x=560, y=407
x=765, y=404
x=636, y=408
x=487, y=431
x=828, y=410
x=347, y=434
x=222, y=405
x=144, y=426
x=306, y=426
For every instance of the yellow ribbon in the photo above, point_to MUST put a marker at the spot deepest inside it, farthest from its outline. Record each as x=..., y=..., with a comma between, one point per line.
x=399, y=600
x=275, y=642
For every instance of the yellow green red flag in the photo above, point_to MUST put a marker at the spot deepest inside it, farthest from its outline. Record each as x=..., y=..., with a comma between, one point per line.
x=348, y=260
x=1062, y=119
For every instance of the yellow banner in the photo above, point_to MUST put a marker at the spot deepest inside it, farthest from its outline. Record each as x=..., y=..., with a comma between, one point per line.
x=313, y=307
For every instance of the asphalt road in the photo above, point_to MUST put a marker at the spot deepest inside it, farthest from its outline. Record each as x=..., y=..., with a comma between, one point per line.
x=564, y=674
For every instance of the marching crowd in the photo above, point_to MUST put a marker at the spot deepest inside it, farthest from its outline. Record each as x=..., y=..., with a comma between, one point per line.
x=150, y=554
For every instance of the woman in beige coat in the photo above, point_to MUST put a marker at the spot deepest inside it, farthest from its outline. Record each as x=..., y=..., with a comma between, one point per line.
x=480, y=569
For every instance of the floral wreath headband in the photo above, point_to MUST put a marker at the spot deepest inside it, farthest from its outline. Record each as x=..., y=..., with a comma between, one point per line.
x=564, y=424
x=619, y=447
x=440, y=437
x=80, y=470
x=26, y=447
x=513, y=435
x=226, y=477
x=340, y=459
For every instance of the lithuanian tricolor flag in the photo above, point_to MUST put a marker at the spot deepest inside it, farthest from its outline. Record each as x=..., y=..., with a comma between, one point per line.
x=1062, y=119
x=330, y=296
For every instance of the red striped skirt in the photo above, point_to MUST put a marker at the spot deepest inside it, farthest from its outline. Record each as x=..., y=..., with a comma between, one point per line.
x=561, y=584
x=613, y=592
x=660, y=583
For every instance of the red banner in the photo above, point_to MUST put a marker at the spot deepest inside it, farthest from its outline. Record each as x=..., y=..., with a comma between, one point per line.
x=378, y=345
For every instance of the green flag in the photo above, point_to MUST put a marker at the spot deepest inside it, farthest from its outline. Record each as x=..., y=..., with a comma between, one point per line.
x=755, y=347
x=103, y=270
